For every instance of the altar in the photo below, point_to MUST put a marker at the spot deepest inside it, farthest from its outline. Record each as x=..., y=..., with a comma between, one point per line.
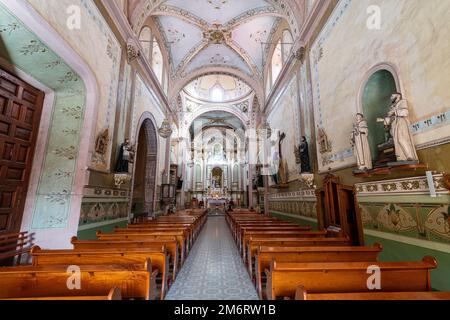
x=212, y=203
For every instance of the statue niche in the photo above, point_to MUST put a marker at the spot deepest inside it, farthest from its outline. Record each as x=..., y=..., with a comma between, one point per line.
x=397, y=121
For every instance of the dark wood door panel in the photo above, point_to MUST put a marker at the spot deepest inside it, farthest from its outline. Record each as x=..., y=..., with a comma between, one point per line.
x=20, y=113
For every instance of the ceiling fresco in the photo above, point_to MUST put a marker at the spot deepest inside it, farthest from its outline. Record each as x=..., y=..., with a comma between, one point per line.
x=232, y=34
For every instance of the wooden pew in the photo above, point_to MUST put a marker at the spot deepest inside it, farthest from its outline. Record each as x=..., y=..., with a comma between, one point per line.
x=114, y=294
x=150, y=228
x=245, y=232
x=284, y=278
x=13, y=246
x=254, y=243
x=157, y=255
x=266, y=225
x=265, y=255
x=134, y=281
x=174, y=225
x=170, y=243
x=243, y=244
x=180, y=236
x=302, y=294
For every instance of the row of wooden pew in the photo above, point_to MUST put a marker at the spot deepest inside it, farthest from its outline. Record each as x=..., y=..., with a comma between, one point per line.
x=288, y=261
x=137, y=262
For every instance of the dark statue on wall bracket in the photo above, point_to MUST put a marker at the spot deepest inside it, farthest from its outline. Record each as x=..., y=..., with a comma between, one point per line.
x=126, y=156
x=302, y=156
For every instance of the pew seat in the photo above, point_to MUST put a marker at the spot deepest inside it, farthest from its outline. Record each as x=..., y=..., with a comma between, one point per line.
x=284, y=278
x=302, y=294
x=134, y=281
x=113, y=295
x=111, y=256
x=265, y=255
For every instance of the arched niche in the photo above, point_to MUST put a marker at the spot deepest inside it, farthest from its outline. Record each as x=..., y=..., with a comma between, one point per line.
x=375, y=103
x=144, y=182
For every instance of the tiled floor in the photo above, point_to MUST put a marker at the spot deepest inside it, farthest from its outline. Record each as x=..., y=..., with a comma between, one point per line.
x=214, y=269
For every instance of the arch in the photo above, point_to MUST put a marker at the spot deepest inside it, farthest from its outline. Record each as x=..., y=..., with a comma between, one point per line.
x=178, y=86
x=201, y=112
x=145, y=38
x=375, y=103
x=287, y=44
x=392, y=68
x=157, y=61
x=146, y=166
x=46, y=235
x=276, y=61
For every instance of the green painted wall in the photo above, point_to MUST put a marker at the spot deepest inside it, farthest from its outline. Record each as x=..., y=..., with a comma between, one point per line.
x=397, y=251
x=293, y=219
x=376, y=102
x=90, y=234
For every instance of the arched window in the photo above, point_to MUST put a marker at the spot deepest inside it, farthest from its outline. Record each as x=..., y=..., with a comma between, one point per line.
x=268, y=83
x=277, y=62
x=288, y=43
x=157, y=61
x=145, y=39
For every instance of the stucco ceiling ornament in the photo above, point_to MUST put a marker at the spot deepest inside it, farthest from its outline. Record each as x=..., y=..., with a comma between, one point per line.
x=133, y=51
x=217, y=34
x=300, y=54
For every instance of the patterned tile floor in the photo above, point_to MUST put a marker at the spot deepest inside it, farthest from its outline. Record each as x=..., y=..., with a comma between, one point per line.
x=214, y=269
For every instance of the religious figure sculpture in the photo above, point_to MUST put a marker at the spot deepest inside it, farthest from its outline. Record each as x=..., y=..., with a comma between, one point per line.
x=280, y=177
x=126, y=156
x=360, y=142
x=398, y=121
x=304, y=156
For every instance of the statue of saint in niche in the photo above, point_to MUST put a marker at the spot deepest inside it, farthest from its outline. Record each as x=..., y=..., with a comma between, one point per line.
x=360, y=143
x=398, y=122
x=126, y=156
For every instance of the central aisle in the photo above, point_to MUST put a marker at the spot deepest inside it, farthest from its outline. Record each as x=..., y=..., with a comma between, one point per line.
x=214, y=269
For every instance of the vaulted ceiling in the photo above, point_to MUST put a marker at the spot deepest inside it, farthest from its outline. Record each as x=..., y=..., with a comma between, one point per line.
x=212, y=37
x=232, y=34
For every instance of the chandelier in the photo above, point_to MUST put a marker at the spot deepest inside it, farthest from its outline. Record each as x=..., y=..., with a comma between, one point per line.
x=166, y=130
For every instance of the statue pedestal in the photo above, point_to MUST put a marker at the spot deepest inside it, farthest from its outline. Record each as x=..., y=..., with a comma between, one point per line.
x=386, y=154
x=402, y=163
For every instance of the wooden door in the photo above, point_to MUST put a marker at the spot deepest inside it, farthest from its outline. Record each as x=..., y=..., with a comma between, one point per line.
x=338, y=210
x=351, y=216
x=20, y=113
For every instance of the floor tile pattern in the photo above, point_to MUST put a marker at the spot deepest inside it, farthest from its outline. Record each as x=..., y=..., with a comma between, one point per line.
x=214, y=269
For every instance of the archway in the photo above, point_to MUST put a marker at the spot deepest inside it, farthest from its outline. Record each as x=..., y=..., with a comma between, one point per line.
x=144, y=187
x=376, y=100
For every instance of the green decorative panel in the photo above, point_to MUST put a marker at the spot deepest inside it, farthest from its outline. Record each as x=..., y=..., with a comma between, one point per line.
x=298, y=220
x=90, y=234
x=22, y=48
x=397, y=251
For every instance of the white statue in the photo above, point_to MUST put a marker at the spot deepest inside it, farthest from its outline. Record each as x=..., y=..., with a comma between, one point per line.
x=360, y=142
x=397, y=120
